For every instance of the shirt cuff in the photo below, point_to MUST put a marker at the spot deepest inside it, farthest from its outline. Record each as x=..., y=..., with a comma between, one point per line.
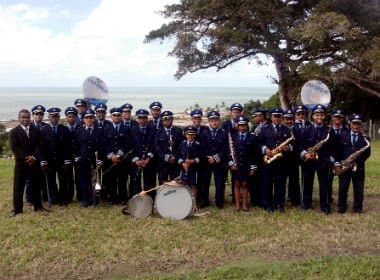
x=196, y=160
x=150, y=155
x=253, y=167
x=67, y=161
x=290, y=147
x=166, y=157
x=302, y=154
x=332, y=159
x=180, y=161
x=216, y=158
x=263, y=149
x=120, y=153
x=135, y=159
x=109, y=155
x=230, y=163
x=43, y=163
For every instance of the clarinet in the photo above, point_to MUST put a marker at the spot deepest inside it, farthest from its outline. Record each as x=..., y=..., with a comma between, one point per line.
x=231, y=147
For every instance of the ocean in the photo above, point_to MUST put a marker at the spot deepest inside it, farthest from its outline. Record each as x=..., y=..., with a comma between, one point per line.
x=176, y=99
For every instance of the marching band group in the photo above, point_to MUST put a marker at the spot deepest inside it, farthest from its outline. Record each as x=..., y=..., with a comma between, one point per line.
x=269, y=162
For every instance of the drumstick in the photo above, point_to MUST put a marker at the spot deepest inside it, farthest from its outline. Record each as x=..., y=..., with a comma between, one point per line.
x=152, y=189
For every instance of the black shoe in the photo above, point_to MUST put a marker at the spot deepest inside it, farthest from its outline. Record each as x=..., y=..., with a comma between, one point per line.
x=327, y=211
x=281, y=209
x=14, y=213
x=269, y=210
x=358, y=211
x=342, y=210
x=41, y=209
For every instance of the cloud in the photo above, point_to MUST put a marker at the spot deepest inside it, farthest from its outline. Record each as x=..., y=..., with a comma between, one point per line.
x=107, y=43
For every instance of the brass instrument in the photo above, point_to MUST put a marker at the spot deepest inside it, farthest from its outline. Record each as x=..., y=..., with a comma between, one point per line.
x=277, y=150
x=350, y=161
x=314, y=149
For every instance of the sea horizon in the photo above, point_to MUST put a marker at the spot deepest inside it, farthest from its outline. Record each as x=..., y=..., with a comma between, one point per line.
x=174, y=98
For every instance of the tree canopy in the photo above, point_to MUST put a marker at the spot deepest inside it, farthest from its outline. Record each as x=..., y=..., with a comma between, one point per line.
x=340, y=36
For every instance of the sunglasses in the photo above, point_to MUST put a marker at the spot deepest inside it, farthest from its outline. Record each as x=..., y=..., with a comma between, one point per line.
x=300, y=113
x=38, y=114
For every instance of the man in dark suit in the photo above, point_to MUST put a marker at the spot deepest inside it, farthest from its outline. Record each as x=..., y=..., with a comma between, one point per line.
x=317, y=162
x=117, y=140
x=214, y=145
x=274, y=173
x=88, y=142
x=255, y=181
x=81, y=106
x=100, y=111
x=38, y=112
x=196, y=119
x=167, y=140
x=56, y=158
x=338, y=128
x=71, y=114
x=25, y=144
x=292, y=159
x=350, y=142
x=127, y=116
x=128, y=122
x=142, y=138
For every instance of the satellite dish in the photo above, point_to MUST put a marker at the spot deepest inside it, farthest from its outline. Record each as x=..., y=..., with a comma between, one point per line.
x=315, y=92
x=95, y=90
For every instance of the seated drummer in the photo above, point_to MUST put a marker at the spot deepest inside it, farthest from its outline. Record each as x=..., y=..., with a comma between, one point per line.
x=189, y=153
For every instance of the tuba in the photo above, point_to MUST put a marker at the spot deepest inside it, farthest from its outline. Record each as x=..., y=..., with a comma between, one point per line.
x=350, y=161
x=277, y=151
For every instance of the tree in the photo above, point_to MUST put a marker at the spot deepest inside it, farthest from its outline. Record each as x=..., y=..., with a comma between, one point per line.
x=217, y=33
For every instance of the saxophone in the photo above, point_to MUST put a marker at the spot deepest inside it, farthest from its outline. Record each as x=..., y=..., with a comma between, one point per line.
x=314, y=149
x=350, y=161
x=277, y=151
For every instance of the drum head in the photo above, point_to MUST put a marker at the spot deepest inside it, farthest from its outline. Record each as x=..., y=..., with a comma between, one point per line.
x=140, y=206
x=174, y=202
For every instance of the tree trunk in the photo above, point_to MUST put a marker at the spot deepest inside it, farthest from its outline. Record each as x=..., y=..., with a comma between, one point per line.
x=283, y=85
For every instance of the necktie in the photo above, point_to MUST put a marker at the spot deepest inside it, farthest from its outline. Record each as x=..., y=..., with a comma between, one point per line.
x=55, y=129
x=241, y=137
x=143, y=130
x=117, y=128
x=27, y=131
x=88, y=131
x=72, y=128
x=354, y=139
x=214, y=133
x=337, y=131
x=168, y=131
x=277, y=128
x=318, y=131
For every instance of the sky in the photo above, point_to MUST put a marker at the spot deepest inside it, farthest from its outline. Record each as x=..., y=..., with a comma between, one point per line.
x=61, y=43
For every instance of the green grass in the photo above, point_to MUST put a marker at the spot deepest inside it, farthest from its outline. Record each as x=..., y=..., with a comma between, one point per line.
x=102, y=243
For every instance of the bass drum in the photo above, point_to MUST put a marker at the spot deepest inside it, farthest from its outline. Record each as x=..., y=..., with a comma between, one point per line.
x=139, y=206
x=174, y=201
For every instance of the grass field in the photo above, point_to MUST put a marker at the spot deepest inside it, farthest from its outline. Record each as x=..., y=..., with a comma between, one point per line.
x=101, y=243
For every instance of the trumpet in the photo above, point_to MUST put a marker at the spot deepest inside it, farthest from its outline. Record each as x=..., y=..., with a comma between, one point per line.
x=277, y=151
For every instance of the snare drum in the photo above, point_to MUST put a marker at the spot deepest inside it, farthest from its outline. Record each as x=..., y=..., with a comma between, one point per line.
x=174, y=201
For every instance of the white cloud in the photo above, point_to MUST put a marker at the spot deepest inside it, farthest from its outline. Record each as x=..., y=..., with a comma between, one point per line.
x=108, y=43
